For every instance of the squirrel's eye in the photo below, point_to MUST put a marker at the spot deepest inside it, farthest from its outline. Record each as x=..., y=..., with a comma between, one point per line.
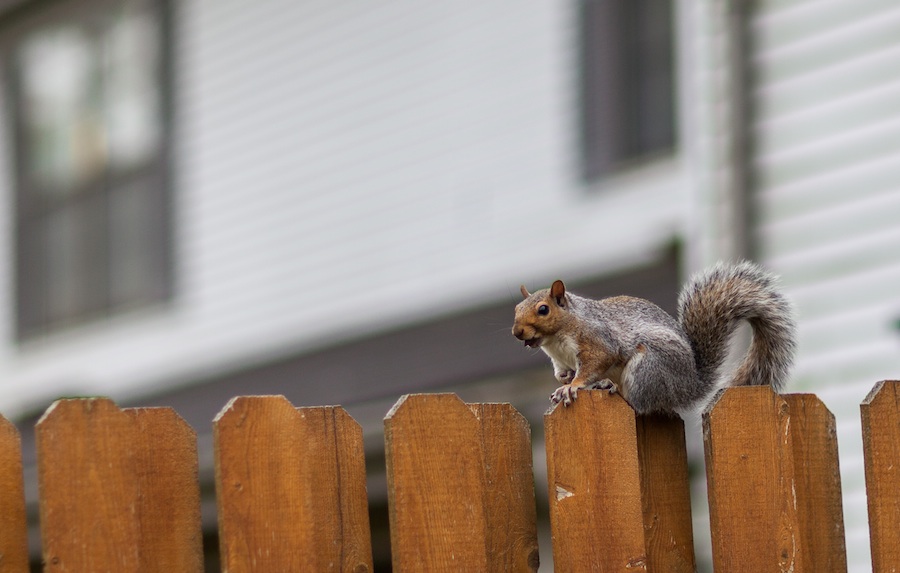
x=543, y=310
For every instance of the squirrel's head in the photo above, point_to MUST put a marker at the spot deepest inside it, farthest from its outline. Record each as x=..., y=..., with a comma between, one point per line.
x=541, y=314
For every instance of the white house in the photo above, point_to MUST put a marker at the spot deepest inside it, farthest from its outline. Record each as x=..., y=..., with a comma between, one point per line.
x=337, y=201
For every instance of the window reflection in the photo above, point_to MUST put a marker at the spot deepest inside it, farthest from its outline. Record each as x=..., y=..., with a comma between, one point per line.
x=61, y=106
x=90, y=99
x=131, y=89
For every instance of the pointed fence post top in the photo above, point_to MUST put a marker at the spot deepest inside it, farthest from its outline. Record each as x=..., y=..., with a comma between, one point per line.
x=9, y=434
x=414, y=402
x=726, y=397
x=239, y=405
x=65, y=410
x=882, y=391
x=65, y=407
x=269, y=410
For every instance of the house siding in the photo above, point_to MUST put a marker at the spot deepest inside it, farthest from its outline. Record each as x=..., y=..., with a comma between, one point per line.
x=341, y=170
x=826, y=167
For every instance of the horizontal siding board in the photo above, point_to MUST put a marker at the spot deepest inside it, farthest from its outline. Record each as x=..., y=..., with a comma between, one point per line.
x=860, y=144
x=865, y=107
x=864, y=33
x=816, y=300
x=866, y=323
x=849, y=365
x=871, y=177
x=829, y=83
x=864, y=253
x=780, y=23
x=835, y=224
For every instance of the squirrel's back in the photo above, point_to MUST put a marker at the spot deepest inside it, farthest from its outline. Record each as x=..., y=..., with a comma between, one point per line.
x=713, y=303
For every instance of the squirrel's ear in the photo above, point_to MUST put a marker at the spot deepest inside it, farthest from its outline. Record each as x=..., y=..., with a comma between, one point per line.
x=558, y=292
x=524, y=291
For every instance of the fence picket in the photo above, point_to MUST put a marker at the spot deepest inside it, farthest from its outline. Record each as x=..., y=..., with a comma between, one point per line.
x=752, y=530
x=880, y=413
x=290, y=486
x=774, y=488
x=816, y=484
x=594, y=479
x=118, y=489
x=509, y=488
x=460, y=486
x=13, y=532
x=666, y=494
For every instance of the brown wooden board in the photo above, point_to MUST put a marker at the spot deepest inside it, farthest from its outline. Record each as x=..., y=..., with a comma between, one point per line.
x=666, y=494
x=744, y=439
x=13, y=525
x=773, y=483
x=460, y=489
x=880, y=413
x=594, y=479
x=290, y=486
x=508, y=495
x=118, y=489
x=817, y=484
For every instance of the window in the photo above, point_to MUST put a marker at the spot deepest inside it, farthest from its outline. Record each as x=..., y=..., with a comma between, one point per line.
x=87, y=87
x=627, y=84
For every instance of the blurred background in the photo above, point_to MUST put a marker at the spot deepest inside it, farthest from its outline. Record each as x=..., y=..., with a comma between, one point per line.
x=337, y=201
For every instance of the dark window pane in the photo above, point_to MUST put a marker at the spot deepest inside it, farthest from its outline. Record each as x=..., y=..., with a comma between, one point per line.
x=627, y=88
x=601, y=80
x=74, y=252
x=137, y=258
x=656, y=82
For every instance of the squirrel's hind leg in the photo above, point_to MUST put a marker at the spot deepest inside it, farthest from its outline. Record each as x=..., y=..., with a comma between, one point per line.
x=660, y=382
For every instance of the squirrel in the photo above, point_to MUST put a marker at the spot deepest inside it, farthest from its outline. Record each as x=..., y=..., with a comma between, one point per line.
x=656, y=362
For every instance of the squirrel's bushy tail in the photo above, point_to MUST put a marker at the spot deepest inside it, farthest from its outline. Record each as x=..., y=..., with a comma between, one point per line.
x=710, y=308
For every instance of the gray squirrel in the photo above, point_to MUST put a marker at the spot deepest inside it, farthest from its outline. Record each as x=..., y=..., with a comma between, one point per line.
x=660, y=364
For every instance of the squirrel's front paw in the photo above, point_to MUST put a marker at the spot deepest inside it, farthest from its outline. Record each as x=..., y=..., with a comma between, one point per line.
x=605, y=384
x=564, y=394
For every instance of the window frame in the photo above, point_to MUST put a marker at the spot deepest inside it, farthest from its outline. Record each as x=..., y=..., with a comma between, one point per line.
x=30, y=292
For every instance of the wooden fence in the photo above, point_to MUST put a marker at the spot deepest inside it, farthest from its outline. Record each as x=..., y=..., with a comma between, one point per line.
x=119, y=492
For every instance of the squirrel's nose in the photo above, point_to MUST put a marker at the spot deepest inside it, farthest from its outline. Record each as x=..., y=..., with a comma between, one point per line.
x=518, y=331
